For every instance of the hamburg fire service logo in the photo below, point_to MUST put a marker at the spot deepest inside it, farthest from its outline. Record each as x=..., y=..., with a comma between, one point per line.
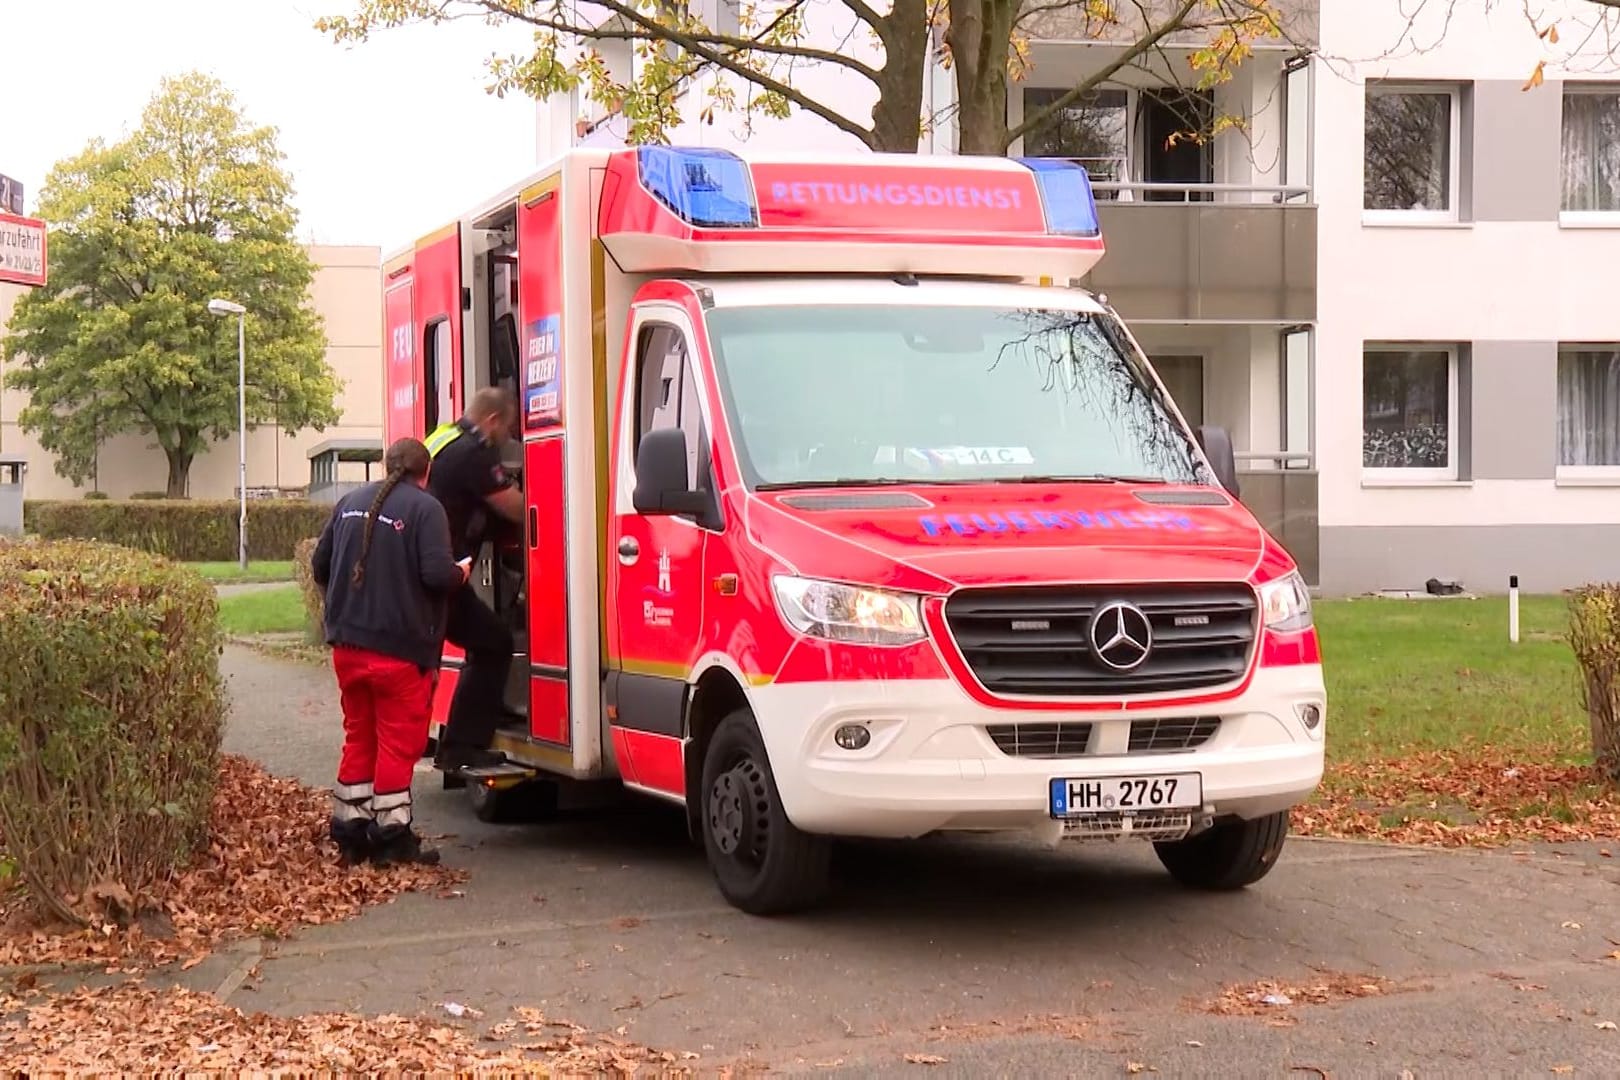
x=663, y=573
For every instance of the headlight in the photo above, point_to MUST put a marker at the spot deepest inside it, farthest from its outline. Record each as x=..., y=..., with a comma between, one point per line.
x=847, y=613
x=1285, y=604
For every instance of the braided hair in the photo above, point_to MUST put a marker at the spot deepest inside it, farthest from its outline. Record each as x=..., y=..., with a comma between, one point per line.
x=406, y=459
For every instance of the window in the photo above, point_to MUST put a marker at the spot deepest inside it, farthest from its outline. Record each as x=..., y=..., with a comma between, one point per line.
x=899, y=393
x=1410, y=155
x=1409, y=412
x=667, y=394
x=1588, y=409
x=1183, y=377
x=438, y=363
x=1591, y=150
x=1094, y=131
x=1297, y=397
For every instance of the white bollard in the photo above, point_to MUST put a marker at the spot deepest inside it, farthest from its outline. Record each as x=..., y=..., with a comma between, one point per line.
x=1513, y=608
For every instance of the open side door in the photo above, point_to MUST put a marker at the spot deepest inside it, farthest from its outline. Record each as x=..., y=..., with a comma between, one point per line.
x=402, y=416
x=545, y=459
x=437, y=317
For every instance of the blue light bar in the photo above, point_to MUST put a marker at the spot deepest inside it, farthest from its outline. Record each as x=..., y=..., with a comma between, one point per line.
x=710, y=189
x=1066, y=195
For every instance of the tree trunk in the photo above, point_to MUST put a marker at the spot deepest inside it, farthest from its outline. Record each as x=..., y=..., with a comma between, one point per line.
x=980, y=37
x=179, y=472
x=896, y=118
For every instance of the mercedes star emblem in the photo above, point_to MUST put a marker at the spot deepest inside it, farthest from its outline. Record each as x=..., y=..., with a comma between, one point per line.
x=1121, y=635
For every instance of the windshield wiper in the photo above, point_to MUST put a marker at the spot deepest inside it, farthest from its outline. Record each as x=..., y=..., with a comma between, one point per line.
x=1083, y=478
x=842, y=481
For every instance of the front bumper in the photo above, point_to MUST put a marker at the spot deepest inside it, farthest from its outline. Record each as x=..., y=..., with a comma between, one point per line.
x=932, y=765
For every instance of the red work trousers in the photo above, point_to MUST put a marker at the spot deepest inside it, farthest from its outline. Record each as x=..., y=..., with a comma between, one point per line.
x=387, y=705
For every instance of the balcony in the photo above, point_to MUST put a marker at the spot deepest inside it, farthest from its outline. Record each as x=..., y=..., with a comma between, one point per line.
x=1207, y=252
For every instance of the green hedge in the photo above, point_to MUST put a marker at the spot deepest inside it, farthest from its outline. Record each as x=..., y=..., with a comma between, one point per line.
x=314, y=597
x=111, y=712
x=191, y=531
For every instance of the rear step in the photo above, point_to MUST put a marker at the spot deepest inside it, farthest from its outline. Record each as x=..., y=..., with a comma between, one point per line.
x=506, y=770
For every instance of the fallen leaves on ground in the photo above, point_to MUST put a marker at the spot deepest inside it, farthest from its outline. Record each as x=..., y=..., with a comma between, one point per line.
x=132, y=1027
x=1274, y=998
x=1461, y=800
x=269, y=868
x=925, y=1059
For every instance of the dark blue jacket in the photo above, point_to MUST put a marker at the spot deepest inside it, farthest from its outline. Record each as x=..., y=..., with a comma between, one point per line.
x=399, y=610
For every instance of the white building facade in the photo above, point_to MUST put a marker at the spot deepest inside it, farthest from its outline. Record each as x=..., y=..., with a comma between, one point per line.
x=1394, y=283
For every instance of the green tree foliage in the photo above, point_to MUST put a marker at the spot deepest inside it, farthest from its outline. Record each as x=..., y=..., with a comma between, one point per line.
x=763, y=47
x=193, y=204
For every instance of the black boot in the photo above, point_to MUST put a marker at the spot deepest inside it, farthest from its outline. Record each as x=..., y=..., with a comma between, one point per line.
x=393, y=841
x=351, y=822
x=353, y=839
x=395, y=845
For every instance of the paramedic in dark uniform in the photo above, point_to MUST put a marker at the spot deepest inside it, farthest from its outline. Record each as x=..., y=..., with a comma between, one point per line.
x=469, y=479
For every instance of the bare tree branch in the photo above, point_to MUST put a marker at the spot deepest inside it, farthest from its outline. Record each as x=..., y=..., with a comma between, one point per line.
x=707, y=46
x=1042, y=116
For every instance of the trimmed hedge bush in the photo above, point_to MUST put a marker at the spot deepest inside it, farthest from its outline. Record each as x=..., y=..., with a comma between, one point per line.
x=1594, y=636
x=111, y=712
x=191, y=531
x=314, y=598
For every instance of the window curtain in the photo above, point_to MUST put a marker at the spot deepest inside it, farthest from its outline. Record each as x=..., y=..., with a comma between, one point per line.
x=1591, y=156
x=1589, y=408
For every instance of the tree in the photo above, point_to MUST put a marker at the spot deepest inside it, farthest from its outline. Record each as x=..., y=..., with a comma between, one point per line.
x=765, y=47
x=194, y=204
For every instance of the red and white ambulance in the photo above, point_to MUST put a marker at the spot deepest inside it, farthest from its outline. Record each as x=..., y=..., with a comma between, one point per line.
x=849, y=516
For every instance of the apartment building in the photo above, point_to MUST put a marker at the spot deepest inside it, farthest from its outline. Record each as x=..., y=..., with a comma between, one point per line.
x=1393, y=283
x=346, y=294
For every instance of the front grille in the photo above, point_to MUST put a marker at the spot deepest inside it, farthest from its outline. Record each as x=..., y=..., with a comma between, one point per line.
x=1169, y=734
x=1037, y=641
x=1041, y=740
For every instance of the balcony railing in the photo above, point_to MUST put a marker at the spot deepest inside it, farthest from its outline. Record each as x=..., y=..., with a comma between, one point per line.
x=1188, y=253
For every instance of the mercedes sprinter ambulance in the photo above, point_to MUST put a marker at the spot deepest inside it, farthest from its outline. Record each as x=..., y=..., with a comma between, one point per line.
x=848, y=515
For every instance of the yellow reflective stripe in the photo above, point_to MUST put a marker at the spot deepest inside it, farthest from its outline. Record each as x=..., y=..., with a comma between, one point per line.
x=442, y=436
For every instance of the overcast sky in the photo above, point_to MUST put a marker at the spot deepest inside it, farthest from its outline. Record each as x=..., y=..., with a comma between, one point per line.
x=385, y=140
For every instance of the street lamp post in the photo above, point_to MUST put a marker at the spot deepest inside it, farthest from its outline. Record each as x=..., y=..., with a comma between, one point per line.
x=228, y=307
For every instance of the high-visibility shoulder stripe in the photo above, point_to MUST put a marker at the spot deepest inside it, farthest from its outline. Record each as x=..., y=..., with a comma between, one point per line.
x=442, y=436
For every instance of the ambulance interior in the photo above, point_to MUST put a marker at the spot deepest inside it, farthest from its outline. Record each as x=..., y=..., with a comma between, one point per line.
x=492, y=357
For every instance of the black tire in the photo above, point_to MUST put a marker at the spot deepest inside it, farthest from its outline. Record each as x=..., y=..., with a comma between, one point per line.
x=762, y=863
x=1231, y=855
x=528, y=802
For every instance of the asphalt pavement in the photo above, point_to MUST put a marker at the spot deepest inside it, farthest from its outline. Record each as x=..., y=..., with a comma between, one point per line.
x=965, y=957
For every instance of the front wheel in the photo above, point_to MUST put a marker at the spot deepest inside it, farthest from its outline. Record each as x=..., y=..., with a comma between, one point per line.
x=762, y=863
x=1231, y=855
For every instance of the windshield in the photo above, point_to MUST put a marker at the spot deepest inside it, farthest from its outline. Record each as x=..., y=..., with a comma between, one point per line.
x=934, y=394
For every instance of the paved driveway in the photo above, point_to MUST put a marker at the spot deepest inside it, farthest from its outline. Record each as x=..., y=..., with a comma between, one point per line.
x=998, y=957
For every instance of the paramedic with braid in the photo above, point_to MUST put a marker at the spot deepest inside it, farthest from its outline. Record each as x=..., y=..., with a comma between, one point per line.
x=385, y=563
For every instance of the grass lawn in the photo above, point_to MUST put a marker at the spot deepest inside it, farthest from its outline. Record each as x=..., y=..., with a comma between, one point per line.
x=1415, y=675
x=267, y=611
x=232, y=573
x=1442, y=732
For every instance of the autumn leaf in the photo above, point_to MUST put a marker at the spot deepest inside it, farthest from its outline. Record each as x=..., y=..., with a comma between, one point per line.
x=1537, y=76
x=925, y=1059
x=136, y=1029
x=268, y=868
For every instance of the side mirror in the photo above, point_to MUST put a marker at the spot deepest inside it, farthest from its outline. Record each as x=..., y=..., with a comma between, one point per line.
x=1217, y=447
x=661, y=485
